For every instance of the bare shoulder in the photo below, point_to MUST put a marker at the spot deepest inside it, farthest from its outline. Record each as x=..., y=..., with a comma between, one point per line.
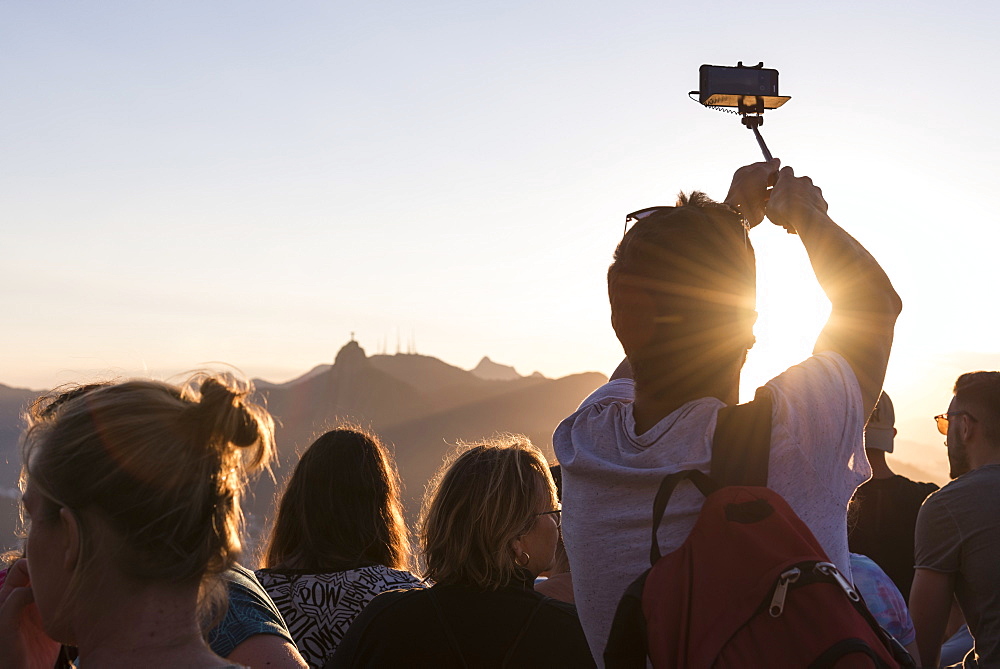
x=267, y=650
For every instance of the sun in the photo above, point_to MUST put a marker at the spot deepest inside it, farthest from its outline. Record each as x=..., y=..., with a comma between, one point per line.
x=792, y=310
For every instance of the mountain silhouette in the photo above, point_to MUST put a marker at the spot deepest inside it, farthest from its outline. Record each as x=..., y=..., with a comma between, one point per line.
x=13, y=403
x=491, y=371
x=421, y=406
x=533, y=409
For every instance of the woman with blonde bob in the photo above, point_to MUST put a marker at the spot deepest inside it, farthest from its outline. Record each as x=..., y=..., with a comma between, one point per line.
x=133, y=492
x=489, y=526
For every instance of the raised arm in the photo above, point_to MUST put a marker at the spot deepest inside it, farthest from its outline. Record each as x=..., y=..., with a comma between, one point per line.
x=865, y=305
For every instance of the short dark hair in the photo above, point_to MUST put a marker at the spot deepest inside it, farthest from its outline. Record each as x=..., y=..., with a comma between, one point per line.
x=980, y=393
x=687, y=274
x=341, y=509
x=697, y=244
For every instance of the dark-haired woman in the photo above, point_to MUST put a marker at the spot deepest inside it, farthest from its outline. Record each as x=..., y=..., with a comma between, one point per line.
x=133, y=491
x=339, y=539
x=488, y=528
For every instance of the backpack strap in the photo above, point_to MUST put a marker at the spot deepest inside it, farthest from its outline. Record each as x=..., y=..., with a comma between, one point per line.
x=701, y=481
x=741, y=446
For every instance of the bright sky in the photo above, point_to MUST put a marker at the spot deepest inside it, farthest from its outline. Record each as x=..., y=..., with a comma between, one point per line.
x=250, y=182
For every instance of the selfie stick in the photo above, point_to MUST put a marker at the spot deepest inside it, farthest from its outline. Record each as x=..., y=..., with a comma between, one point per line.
x=754, y=122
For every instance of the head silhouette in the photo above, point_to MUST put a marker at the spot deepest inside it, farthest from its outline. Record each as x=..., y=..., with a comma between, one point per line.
x=682, y=288
x=341, y=509
x=150, y=475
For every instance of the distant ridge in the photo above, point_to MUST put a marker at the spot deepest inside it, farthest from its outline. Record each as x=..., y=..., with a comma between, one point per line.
x=315, y=371
x=419, y=404
x=491, y=371
x=13, y=403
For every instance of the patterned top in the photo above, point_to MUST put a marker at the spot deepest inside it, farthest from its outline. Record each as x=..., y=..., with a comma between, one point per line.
x=883, y=598
x=319, y=607
x=250, y=612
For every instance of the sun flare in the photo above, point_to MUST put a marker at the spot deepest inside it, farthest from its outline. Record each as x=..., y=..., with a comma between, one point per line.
x=792, y=310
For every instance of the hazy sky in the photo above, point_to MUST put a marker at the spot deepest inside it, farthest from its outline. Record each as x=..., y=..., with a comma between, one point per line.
x=250, y=182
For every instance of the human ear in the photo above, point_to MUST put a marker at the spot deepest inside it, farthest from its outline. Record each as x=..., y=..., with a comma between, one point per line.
x=71, y=533
x=965, y=426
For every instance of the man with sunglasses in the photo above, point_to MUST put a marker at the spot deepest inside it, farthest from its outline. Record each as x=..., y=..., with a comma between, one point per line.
x=957, y=551
x=682, y=289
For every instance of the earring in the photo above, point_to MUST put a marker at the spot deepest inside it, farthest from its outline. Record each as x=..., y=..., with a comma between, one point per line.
x=527, y=558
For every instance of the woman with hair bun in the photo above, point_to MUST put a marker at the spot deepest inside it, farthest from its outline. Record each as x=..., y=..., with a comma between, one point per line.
x=133, y=492
x=489, y=526
x=339, y=539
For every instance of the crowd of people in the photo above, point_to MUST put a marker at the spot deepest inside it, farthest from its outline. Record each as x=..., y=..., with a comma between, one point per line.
x=132, y=551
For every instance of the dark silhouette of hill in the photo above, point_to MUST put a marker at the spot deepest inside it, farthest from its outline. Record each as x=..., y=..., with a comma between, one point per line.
x=533, y=409
x=491, y=371
x=352, y=389
x=13, y=403
x=421, y=371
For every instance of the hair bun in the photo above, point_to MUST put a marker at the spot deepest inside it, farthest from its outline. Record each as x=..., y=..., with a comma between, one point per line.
x=223, y=407
x=222, y=416
x=165, y=465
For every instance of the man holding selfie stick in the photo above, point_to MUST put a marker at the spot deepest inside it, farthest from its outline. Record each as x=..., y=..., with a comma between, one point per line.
x=682, y=289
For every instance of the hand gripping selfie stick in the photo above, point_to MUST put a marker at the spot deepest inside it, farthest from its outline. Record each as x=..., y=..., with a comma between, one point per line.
x=750, y=90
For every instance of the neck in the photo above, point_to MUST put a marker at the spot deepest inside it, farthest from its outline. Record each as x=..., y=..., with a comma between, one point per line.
x=880, y=469
x=986, y=454
x=670, y=376
x=142, y=624
x=650, y=408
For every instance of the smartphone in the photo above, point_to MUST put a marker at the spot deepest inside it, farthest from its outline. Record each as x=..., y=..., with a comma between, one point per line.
x=722, y=86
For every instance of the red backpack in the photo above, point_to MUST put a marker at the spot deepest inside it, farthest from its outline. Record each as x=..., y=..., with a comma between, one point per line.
x=750, y=586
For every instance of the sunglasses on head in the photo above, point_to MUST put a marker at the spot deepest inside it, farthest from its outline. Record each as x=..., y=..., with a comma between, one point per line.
x=723, y=209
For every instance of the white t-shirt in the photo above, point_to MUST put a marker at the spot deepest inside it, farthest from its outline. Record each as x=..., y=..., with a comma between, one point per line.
x=610, y=476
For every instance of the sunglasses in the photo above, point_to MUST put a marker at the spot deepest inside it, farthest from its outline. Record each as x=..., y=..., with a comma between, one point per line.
x=942, y=420
x=723, y=209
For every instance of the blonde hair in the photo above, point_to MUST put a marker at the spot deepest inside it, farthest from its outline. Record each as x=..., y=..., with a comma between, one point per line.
x=163, y=465
x=481, y=500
